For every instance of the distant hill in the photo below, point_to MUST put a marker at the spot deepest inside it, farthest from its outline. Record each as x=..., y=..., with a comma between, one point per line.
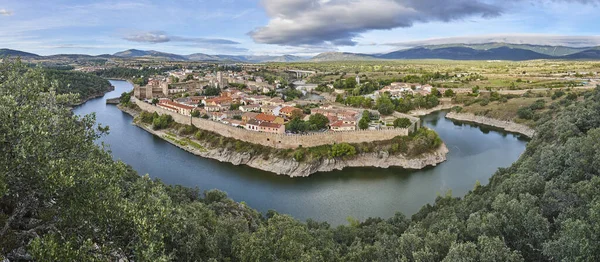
x=542, y=49
x=488, y=51
x=134, y=53
x=593, y=53
x=245, y=59
x=339, y=56
x=15, y=53
x=466, y=53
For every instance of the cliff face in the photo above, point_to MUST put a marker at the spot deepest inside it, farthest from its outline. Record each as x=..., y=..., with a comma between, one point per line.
x=291, y=167
x=506, y=125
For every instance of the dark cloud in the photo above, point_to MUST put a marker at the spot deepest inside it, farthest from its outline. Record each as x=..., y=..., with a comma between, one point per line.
x=338, y=22
x=162, y=37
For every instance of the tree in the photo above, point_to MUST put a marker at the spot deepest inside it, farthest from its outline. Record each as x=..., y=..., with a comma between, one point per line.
x=384, y=105
x=125, y=98
x=155, y=101
x=297, y=114
x=449, y=93
x=363, y=123
x=195, y=113
x=402, y=122
x=318, y=121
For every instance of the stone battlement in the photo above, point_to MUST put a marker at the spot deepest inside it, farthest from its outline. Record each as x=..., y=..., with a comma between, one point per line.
x=280, y=140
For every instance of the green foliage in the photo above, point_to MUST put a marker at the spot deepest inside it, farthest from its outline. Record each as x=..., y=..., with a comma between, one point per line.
x=162, y=122
x=384, y=105
x=449, y=93
x=63, y=198
x=342, y=150
x=317, y=121
x=402, y=122
x=195, y=113
x=125, y=98
x=212, y=91
x=83, y=84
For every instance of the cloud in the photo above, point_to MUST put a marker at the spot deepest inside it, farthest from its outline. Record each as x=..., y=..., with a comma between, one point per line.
x=298, y=22
x=5, y=12
x=532, y=39
x=162, y=37
x=339, y=22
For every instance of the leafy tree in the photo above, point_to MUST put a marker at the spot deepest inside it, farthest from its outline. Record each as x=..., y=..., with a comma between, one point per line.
x=402, y=122
x=384, y=105
x=449, y=93
x=195, y=113
x=125, y=98
x=318, y=121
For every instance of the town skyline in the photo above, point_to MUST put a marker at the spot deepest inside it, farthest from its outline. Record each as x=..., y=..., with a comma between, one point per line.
x=270, y=27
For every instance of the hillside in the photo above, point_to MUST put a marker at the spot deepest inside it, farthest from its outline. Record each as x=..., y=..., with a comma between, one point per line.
x=587, y=54
x=64, y=198
x=339, y=56
x=542, y=49
x=15, y=53
x=466, y=53
x=134, y=53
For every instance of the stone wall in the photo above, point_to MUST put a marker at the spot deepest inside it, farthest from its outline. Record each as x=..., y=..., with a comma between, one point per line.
x=280, y=140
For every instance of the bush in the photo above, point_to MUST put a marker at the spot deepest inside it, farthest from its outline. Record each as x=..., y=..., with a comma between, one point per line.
x=449, y=93
x=484, y=102
x=457, y=109
x=162, y=122
x=342, y=150
x=525, y=113
x=402, y=123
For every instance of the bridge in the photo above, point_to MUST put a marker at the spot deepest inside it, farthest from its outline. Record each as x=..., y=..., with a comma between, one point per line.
x=301, y=73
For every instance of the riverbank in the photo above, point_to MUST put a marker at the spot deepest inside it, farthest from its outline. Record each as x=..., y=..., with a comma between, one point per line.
x=94, y=96
x=505, y=125
x=289, y=166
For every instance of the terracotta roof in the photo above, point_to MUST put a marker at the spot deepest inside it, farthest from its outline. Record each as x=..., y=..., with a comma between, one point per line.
x=265, y=117
x=288, y=110
x=175, y=104
x=271, y=125
x=250, y=115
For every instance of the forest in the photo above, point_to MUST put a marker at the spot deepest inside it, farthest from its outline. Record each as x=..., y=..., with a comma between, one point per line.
x=63, y=198
x=83, y=84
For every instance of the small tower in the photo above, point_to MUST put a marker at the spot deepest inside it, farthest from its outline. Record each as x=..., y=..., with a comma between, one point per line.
x=357, y=80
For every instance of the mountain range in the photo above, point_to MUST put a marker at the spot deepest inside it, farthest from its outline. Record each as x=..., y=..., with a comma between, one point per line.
x=489, y=51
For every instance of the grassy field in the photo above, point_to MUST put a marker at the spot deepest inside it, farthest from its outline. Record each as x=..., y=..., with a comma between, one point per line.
x=492, y=74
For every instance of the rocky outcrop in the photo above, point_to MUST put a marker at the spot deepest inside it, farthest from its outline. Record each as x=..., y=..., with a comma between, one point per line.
x=291, y=167
x=506, y=125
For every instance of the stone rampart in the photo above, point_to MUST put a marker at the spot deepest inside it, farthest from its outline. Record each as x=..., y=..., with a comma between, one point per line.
x=280, y=140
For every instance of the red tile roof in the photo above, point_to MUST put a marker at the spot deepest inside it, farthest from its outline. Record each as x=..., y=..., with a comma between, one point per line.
x=265, y=117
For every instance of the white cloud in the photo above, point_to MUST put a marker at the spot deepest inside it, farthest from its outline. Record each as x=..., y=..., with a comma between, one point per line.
x=5, y=12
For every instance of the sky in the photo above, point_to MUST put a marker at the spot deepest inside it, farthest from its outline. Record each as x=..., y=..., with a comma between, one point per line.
x=299, y=27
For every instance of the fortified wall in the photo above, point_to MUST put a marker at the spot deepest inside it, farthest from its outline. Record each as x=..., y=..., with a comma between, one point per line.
x=280, y=140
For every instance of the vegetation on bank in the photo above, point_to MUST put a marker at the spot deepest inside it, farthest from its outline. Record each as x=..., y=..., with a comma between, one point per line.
x=83, y=84
x=63, y=198
x=418, y=143
x=524, y=109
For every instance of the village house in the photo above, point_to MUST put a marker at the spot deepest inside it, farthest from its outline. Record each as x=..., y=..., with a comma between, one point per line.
x=248, y=116
x=275, y=101
x=288, y=111
x=250, y=108
x=342, y=126
x=270, y=110
x=176, y=107
x=272, y=128
x=269, y=118
x=253, y=125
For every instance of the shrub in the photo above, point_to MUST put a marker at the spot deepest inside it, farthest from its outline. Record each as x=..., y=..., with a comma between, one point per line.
x=525, y=113
x=402, y=122
x=342, y=150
